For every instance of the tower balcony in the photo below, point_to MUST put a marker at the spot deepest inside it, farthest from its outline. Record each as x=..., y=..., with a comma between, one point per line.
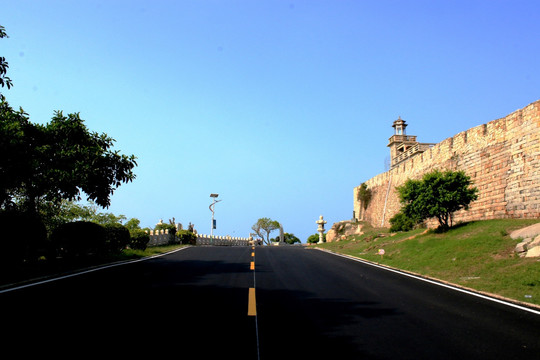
x=401, y=139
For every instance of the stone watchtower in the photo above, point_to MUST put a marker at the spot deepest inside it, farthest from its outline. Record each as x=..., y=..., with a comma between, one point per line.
x=403, y=146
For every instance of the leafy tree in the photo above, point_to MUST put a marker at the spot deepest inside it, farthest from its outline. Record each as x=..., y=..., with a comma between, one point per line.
x=56, y=214
x=263, y=227
x=56, y=161
x=288, y=238
x=133, y=224
x=439, y=194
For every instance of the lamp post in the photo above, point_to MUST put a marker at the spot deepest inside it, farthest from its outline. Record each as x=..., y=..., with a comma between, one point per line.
x=211, y=207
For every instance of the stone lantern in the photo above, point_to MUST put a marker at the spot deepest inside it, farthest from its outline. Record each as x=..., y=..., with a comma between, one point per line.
x=320, y=228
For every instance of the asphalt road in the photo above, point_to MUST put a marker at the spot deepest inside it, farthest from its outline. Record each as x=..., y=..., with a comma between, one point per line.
x=194, y=304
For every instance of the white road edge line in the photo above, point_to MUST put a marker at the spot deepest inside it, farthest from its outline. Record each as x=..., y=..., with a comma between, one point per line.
x=486, y=297
x=90, y=270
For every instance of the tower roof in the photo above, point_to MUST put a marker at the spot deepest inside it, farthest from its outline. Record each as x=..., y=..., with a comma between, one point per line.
x=399, y=121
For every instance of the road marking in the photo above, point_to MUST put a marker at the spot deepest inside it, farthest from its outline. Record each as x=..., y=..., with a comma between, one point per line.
x=486, y=297
x=253, y=254
x=252, y=265
x=252, y=303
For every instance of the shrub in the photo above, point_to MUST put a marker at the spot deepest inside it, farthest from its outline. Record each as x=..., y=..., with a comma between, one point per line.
x=163, y=226
x=80, y=238
x=139, y=240
x=364, y=195
x=401, y=222
x=186, y=237
x=24, y=237
x=313, y=239
x=117, y=238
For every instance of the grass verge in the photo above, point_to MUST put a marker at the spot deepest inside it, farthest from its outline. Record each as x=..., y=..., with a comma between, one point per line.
x=478, y=255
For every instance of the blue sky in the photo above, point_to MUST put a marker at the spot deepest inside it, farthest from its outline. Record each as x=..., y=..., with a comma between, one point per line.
x=281, y=107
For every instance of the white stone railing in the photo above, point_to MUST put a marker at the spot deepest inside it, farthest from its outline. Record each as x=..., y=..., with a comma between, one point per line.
x=162, y=237
x=221, y=240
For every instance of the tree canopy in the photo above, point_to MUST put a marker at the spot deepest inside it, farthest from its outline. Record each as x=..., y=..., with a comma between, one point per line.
x=56, y=161
x=289, y=238
x=263, y=227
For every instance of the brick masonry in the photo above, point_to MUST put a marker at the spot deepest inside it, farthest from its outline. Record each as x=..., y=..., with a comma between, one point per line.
x=502, y=158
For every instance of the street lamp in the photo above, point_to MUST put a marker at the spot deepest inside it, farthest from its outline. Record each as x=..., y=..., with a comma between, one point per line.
x=211, y=207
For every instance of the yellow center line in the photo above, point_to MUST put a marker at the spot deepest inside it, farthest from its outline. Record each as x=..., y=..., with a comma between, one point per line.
x=252, y=303
x=252, y=265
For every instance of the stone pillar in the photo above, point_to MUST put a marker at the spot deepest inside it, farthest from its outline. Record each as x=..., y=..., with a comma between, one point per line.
x=320, y=228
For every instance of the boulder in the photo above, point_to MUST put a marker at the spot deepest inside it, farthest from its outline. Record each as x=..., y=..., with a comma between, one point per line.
x=534, y=252
x=526, y=232
x=343, y=229
x=522, y=246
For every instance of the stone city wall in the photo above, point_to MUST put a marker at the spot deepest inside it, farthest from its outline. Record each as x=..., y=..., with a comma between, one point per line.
x=502, y=158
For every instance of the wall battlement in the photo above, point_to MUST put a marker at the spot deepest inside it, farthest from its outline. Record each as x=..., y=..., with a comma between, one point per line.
x=502, y=158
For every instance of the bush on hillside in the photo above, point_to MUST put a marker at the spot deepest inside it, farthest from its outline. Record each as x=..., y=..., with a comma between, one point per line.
x=24, y=237
x=117, y=238
x=78, y=239
x=139, y=240
x=401, y=222
x=186, y=237
x=314, y=239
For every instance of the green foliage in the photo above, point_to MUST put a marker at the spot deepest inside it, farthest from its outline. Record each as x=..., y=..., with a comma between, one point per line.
x=117, y=237
x=364, y=195
x=133, y=224
x=163, y=226
x=58, y=160
x=79, y=239
x=313, y=239
x=16, y=154
x=56, y=214
x=439, y=194
x=139, y=239
x=401, y=222
x=23, y=239
x=4, y=80
x=288, y=238
x=186, y=237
